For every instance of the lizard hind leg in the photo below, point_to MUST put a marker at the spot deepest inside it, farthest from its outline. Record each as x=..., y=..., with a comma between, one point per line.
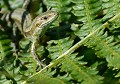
x=35, y=55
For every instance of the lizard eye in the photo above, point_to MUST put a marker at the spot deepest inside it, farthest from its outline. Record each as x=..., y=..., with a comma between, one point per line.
x=45, y=18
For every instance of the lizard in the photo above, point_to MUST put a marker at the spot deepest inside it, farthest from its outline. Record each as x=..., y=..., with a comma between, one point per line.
x=32, y=30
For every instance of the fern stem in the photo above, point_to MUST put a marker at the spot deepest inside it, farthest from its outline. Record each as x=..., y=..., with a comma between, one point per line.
x=58, y=30
x=88, y=15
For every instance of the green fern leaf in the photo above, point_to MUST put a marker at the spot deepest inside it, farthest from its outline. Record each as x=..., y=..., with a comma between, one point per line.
x=87, y=12
x=105, y=47
x=62, y=6
x=80, y=73
x=42, y=79
x=58, y=47
x=110, y=8
x=5, y=47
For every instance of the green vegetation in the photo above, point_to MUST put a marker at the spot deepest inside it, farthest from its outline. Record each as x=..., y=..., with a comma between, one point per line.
x=81, y=47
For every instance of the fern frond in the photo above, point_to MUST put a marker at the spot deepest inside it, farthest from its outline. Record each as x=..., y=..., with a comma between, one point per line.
x=63, y=7
x=67, y=54
x=6, y=58
x=105, y=47
x=80, y=73
x=110, y=76
x=5, y=48
x=43, y=78
x=87, y=13
x=58, y=47
x=110, y=8
x=26, y=58
x=4, y=75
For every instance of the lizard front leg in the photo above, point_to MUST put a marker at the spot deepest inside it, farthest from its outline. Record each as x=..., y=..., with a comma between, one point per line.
x=35, y=55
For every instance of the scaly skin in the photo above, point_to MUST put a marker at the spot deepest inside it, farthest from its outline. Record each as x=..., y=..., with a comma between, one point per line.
x=32, y=30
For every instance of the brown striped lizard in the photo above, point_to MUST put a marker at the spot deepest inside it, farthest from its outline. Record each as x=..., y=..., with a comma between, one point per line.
x=32, y=30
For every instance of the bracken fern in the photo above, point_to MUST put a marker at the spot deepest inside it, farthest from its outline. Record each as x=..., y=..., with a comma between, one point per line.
x=81, y=47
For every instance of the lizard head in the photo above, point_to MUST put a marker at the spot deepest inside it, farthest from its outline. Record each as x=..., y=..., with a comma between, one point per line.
x=41, y=22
